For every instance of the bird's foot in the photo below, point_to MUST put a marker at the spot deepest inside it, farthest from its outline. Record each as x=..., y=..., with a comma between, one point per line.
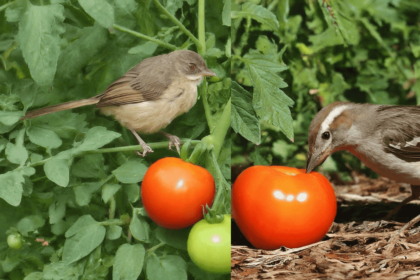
x=173, y=141
x=146, y=149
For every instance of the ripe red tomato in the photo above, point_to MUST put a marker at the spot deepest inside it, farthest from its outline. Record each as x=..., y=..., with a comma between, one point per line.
x=174, y=192
x=278, y=206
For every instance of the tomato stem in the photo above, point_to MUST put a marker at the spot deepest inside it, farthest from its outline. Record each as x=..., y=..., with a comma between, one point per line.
x=154, y=248
x=112, y=207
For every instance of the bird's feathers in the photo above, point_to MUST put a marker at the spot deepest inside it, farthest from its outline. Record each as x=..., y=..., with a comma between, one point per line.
x=400, y=128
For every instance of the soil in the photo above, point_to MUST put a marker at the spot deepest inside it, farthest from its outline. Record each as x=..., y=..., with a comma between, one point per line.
x=359, y=245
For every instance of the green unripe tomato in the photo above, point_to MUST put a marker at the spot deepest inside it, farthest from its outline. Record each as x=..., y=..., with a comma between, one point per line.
x=209, y=246
x=14, y=241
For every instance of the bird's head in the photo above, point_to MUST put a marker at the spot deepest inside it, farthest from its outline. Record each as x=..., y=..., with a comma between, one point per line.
x=328, y=133
x=191, y=65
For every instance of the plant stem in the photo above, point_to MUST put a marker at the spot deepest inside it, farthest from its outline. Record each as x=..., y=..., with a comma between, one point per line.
x=202, y=26
x=179, y=24
x=158, y=145
x=207, y=111
x=112, y=207
x=222, y=128
x=155, y=247
x=137, y=34
x=6, y=5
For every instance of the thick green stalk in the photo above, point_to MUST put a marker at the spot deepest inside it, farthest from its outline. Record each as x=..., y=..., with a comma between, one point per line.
x=137, y=34
x=202, y=26
x=203, y=93
x=222, y=128
x=179, y=24
x=159, y=145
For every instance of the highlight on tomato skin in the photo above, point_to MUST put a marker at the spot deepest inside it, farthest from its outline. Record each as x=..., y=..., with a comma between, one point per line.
x=174, y=192
x=278, y=206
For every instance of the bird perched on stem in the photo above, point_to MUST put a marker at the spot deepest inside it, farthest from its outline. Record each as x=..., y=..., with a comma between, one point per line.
x=385, y=138
x=149, y=96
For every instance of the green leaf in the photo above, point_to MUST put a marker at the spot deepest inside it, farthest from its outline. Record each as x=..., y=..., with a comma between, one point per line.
x=270, y=103
x=139, y=228
x=100, y=10
x=57, y=209
x=73, y=58
x=113, y=232
x=130, y=172
x=10, y=263
x=58, y=171
x=16, y=154
x=39, y=39
x=175, y=238
x=10, y=118
x=259, y=13
x=244, y=119
x=97, y=137
x=65, y=124
x=226, y=13
x=90, y=166
x=132, y=191
x=43, y=137
x=168, y=268
x=11, y=186
x=86, y=235
x=147, y=49
x=108, y=190
x=30, y=223
x=83, y=193
x=16, y=10
x=129, y=261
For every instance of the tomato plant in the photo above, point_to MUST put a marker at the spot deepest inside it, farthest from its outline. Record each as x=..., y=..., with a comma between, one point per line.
x=14, y=241
x=174, y=192
x=278, y=206
x=209, y=245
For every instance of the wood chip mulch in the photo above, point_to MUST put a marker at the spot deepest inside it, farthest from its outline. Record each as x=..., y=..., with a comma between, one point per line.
x=354, y=248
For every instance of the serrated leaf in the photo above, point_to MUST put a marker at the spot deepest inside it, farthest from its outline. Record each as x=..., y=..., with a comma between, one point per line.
x=130, y=172
x=132, y=191
x=11, y=187
x=259, y=13
x=226, y=13
x=100, y=10
x=39, y=39
x=16, y=10
x=83, y=193
x=16, y=154
x=129, y=261
x=43, y=137
x=168, y=268
x=244, y=119
x=270, y=103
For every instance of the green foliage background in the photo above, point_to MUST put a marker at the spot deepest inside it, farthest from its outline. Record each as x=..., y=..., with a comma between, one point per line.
x=70, y=180
x=359, y=51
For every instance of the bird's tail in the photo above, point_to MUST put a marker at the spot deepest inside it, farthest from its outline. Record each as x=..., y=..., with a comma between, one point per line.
x=60, y=107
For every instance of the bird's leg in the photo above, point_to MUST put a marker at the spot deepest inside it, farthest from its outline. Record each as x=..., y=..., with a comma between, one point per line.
x=415, y=193
x=173, y=141
x=146, y=148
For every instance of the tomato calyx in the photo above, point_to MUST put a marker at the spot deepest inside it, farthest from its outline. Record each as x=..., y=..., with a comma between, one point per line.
x=211, y=216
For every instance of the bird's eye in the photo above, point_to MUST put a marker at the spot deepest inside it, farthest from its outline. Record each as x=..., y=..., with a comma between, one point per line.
x=326, y=135
x=192, y=67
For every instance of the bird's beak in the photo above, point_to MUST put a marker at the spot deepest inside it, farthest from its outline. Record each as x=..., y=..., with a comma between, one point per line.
x=208, y=73
x=316, y=159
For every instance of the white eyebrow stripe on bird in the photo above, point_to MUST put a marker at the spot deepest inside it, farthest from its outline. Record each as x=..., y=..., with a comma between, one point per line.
x=331, y=117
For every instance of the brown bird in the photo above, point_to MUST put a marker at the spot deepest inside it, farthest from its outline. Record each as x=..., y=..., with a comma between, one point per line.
x=385, y=138
x=149, y=96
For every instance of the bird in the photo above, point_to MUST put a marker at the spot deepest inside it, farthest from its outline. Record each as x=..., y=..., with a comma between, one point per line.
x=149, y=96
x=386, y=138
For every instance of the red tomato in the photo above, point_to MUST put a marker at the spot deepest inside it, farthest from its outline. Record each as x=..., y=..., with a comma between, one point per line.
x=278, y=206
x=174, y=192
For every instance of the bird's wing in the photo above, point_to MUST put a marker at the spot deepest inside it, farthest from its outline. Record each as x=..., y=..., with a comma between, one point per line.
x=146, y=81
x=401, y=131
